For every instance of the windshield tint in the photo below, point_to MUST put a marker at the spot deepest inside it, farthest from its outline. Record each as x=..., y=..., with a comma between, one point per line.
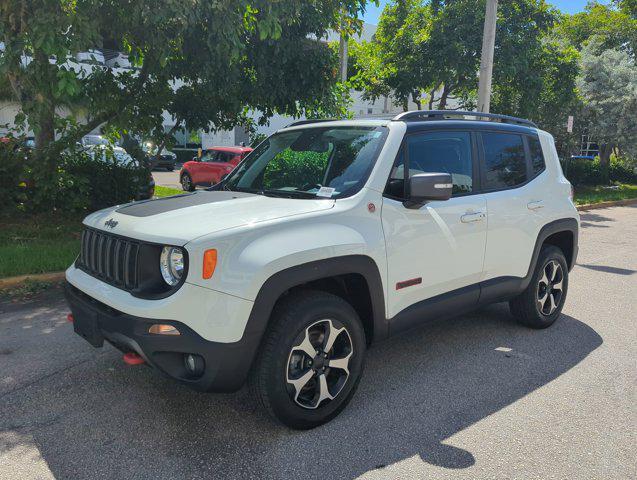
x=310, y=163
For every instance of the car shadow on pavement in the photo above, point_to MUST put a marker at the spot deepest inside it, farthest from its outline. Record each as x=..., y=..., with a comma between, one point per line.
x=107, y=420
x=608, y=269
x=592, y=219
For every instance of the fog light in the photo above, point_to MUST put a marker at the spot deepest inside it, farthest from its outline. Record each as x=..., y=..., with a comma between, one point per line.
x=194, y=364
x=163, y=329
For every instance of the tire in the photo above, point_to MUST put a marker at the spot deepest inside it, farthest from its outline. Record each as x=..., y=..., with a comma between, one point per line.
x=306, y=403
x=170, y=169
x=186, y=183
x=541, y=303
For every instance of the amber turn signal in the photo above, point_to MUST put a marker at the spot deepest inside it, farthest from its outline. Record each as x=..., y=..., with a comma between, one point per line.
x=163, y=329
x=209, y=263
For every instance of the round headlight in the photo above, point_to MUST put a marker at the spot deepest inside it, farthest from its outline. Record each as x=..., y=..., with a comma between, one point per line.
x=171, y=264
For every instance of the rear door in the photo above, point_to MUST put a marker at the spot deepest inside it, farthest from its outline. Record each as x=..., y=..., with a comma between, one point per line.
x=512, y=181
x=438, y=248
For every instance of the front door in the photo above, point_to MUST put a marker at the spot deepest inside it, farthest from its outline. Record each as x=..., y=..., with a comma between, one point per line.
x=439, y=247
x=205, y=167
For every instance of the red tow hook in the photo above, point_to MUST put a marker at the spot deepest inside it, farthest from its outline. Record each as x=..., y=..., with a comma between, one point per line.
x=132, y=358
x=69, y=318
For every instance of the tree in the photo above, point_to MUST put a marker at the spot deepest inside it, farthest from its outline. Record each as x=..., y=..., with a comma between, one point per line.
x=434, y=46
x=614, y=27
x=391, y=63
x=608, y=85
x=203, y=63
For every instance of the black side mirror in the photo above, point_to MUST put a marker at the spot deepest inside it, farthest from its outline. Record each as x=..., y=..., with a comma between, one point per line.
x=425, y=187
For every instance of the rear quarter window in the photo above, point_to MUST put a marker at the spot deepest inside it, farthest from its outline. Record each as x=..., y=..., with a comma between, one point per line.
x=537, y=156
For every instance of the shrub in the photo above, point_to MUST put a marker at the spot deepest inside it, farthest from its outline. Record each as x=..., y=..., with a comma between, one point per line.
x=81, y=181
x=12, y=171
x=588, y=172
x=622, y=170
x=106, y=178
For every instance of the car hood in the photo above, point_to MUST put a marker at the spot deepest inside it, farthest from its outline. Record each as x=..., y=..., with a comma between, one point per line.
x=182, y=218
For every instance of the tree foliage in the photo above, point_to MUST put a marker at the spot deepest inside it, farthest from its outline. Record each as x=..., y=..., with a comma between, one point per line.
x=391, y=63
x=608, y=84
x=431, y=50
x=615, y=26
x=202, y=63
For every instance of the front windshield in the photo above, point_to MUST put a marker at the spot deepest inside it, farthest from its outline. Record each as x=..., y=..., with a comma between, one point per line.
x=330, y=162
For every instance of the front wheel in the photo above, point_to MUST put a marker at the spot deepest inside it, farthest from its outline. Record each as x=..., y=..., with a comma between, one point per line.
x=541, y=303
x=186, y=183
x=311, y=360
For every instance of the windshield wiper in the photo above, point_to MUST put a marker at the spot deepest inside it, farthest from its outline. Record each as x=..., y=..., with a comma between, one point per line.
x=289, y=194
x=243, y=190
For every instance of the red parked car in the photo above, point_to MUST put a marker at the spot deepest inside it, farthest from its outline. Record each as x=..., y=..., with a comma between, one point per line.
x=214, y=164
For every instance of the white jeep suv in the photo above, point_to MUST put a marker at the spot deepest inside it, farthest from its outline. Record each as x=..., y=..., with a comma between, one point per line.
x=329, y=236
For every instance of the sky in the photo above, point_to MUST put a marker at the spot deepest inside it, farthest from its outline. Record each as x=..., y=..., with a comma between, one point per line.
x=567, y=6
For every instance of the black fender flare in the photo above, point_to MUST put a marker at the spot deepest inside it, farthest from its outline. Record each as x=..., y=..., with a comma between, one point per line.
x=284, y=280
x=557, y=226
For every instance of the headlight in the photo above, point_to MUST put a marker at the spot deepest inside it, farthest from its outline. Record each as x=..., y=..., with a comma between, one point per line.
x=171, y=264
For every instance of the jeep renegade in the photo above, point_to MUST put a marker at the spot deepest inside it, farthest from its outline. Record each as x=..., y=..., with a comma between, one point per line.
x=329, y=236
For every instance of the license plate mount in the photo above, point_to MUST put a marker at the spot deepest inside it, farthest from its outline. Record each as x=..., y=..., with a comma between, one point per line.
x=86, y=325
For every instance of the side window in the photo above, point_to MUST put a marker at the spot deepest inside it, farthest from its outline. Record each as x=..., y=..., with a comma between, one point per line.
x=209, y=156
x=537, y=157
x=442, y=152
x=504, y=160
x=225, y=157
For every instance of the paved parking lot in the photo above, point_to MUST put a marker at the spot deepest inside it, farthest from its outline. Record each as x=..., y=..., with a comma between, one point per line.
x=445, y=401
x=167, y=179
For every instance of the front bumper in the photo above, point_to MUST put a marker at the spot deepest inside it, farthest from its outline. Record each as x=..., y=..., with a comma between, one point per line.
x=226, y=365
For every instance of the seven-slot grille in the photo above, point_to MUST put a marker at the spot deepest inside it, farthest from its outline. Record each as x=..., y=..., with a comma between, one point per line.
x=110, y=258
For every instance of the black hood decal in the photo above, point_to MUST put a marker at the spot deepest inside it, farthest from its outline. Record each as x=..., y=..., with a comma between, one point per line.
x=149, y=208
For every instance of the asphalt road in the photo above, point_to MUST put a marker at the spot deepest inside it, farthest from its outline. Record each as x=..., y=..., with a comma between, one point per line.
x=444, y=401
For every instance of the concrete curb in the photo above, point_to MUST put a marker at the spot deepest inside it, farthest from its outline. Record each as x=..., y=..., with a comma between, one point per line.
x=614, y=203
x=10, y=282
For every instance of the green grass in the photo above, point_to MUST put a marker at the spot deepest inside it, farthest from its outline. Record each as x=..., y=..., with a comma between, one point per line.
x=43, y=243
x=38, y=244
x=588, y=195
x=166, y=191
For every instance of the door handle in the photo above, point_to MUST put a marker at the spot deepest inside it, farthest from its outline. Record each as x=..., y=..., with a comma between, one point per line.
x=472, y=217
x=535, y=205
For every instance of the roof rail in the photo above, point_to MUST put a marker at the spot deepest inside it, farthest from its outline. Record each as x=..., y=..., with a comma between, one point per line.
x=310, y=120
x=448, y=114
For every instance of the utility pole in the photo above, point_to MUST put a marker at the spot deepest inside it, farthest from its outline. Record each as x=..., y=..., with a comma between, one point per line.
x=342, y=49
x=486, y=61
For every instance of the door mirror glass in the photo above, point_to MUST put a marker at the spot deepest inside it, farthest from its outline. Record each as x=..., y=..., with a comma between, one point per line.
x=425, y=187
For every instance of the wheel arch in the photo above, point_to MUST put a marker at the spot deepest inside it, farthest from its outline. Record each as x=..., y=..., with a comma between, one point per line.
x=355, y=278
x=562, y=233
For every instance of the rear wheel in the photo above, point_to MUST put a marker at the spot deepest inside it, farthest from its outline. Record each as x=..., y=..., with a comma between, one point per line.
x=542, y=301
x=311, y=360
x=186, y=183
